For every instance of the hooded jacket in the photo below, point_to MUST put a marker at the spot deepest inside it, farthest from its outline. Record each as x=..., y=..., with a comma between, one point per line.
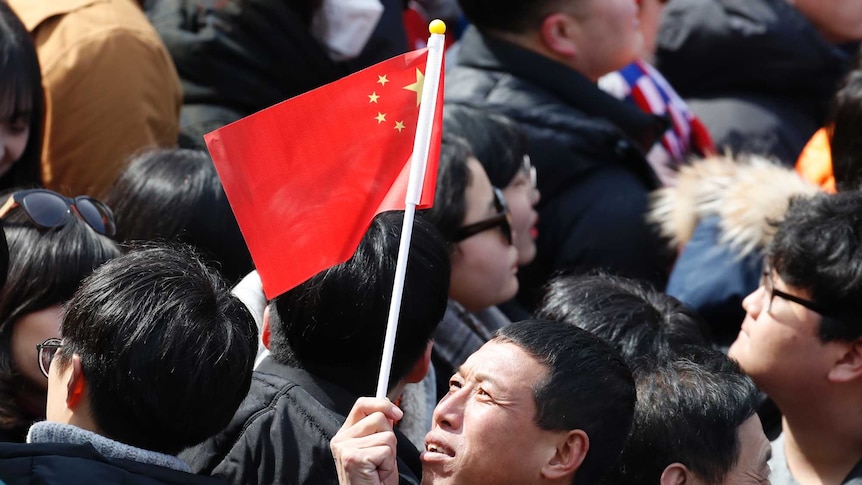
x=722, y=214
x=587, y=147
x=756, y=72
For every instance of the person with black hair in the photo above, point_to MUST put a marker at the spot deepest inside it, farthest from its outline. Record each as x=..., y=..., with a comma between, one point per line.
x=541, y=403
x=22, y=104
x=155, y=356
x=695, y=422
x=474, y=219
x=801, y=341
x=539, y=62
x=635, y=319
x=326, y=338
x=46, y=266
x=844, y=129
x=175, y=195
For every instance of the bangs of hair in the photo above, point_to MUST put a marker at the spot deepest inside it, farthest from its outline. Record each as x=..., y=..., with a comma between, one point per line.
x=21, y=76
x=16, y=98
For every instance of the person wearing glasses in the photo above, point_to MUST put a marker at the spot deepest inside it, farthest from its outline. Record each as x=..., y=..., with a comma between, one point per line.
x=473, y=217
x=501, y=148
x=801, y=340
x=54, y=243
x=155, y=356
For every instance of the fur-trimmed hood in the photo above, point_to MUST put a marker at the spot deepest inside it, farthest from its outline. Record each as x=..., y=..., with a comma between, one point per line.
x=747, y=193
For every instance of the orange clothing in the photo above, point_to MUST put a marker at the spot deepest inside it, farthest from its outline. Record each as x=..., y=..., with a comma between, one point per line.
x=815, y=162
x=111, y=89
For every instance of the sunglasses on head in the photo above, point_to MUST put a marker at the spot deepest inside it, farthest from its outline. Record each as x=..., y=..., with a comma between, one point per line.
x=501, y=219
x=48, y=209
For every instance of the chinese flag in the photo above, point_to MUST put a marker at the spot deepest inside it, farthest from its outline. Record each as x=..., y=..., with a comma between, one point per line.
x=306, y=177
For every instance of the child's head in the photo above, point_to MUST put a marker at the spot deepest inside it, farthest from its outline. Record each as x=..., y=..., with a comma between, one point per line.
x=21, y=102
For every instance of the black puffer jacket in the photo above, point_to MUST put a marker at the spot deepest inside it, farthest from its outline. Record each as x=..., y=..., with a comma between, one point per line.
x=235, y=58
x=281, y=432
x=756, y=72
x=61, y=464
x=587, y=149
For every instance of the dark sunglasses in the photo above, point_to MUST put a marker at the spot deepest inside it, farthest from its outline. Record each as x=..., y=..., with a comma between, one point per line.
x=48, y=209
x=45, y=352
x=501, y=219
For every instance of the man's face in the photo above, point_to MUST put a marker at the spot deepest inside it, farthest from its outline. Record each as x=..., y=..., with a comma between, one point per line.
x=754, y=452
x=778, y=345
x=609, y=36
x=839, y=21
x=484, y=430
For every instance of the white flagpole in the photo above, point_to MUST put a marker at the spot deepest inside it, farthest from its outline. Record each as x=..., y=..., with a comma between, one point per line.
x=418, y=162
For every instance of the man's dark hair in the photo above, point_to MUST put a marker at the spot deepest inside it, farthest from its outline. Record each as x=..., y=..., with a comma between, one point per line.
x=689, y=411
x=509, y=16
x=633, y=317
x=453, y=178
x=166, y=350
x=818, y=248
x=495, y=140
x=845, y=133
x=589, y=387
x=175, y=195
x=333, y=325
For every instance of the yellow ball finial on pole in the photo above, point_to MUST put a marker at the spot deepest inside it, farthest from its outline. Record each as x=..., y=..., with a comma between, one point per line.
x=437, y=26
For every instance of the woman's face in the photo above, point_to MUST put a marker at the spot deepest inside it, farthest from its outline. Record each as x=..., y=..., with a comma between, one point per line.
x=484, y=265
x=27, y=332
x=521, y=197
x=14, y=134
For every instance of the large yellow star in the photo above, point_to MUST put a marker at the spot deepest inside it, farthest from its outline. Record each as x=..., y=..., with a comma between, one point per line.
x=381, y=117
x=399, y=125
x=417, y=86
x=382, y=80
x=372, y=98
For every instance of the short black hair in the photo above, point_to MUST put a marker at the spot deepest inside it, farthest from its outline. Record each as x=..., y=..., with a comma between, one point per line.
x=818, y=248
x=496, y=140
x=175, y=195
x=589, y=387
x=845, y=133
x=689, y=411
x=333, y=325
x=166, y=350
x=46, y=266
x=509, y=16
x=21, y=96
x=632, y=316
x=453, y=178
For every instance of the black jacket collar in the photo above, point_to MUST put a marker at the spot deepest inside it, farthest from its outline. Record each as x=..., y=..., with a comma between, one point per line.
x=489, y=53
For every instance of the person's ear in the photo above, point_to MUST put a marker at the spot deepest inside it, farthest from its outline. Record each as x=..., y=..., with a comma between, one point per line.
x=675, y=474
x=849, y=365
x=265, y=329
x=569, y=454
x=558, y=33
x=420, y=368
x=77, y=385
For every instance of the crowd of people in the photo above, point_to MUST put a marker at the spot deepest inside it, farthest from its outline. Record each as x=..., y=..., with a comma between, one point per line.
x=643, y=263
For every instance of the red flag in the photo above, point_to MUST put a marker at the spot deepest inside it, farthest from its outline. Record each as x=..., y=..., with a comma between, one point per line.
x=306, y=177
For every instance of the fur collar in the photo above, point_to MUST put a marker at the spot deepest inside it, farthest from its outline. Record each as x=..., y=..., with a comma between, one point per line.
x=747, y=193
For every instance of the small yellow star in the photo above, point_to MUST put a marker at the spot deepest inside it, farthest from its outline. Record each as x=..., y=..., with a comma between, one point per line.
x=381, y=117
x=417, y=86
x=399, y=125
x=372, y=98
x=382, y=80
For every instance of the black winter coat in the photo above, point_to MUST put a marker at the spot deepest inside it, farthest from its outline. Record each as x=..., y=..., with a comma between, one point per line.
x=588, y=151
x=281, y=432
x=756, y=72
x=62, y=464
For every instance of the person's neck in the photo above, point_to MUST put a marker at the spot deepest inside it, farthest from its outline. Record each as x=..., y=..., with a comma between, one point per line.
x=823, y=445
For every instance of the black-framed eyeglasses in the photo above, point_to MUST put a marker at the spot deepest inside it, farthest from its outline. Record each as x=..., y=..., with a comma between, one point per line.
x=501, y=219
x=48, y=209
x=45, y=353
x=528, y=168
x=769, y=285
